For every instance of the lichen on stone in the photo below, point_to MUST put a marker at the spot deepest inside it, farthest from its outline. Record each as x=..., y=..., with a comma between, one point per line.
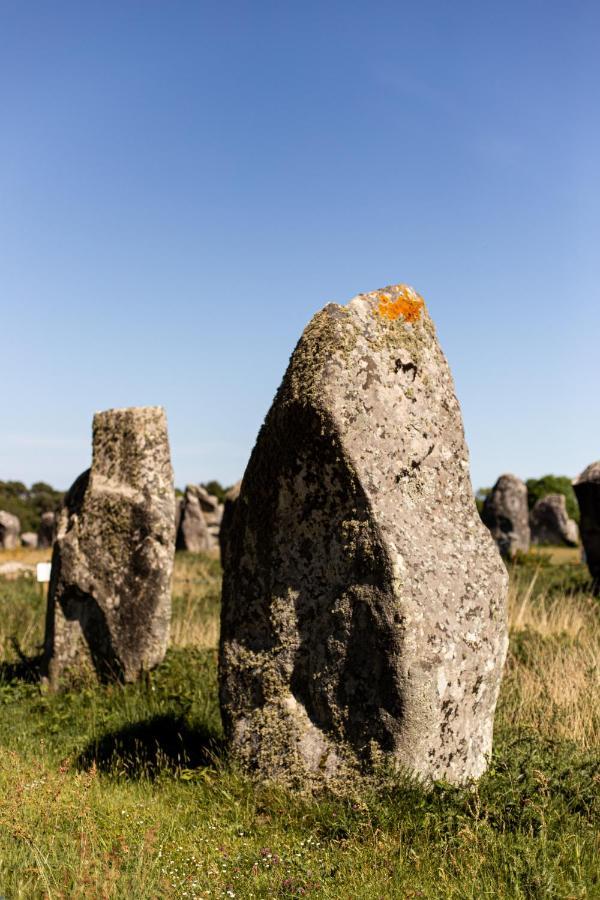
x=400, y=300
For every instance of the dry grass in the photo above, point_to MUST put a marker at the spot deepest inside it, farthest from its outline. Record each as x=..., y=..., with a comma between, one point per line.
x=558, y=556
x=552, y=678
x=25, y=555
x=196, y=599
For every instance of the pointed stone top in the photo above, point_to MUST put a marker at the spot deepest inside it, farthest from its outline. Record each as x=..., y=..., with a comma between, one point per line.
x=591, y=473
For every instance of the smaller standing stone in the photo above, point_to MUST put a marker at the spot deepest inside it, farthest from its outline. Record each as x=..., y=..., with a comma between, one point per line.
x=193, y=534
x=506, y=514
x=109, y=602
x=46, y=530
x=29, y=539
x=550, y=522
x=10, y=528
x=587, y=491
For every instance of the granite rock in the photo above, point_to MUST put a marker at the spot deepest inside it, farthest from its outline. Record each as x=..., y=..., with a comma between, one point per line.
x=550, y=522
x=109, y=601
x=587, y=491
x=506, y=514
x=46, y=529
x=10, y=529
x=193, y=534
x=229, y=506
x=364, y=603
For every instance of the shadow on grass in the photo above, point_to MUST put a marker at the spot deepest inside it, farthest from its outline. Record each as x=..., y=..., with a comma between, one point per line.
x=26, y=668
x=153, y=747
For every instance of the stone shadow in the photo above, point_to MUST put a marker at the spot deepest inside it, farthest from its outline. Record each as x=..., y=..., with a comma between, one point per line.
x=151, y=747
x=25, y=668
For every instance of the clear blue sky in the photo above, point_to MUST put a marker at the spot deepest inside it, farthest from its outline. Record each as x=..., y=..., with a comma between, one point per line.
x=183, y=184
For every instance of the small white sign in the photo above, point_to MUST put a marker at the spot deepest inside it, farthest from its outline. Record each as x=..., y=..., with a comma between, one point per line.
x=43, y=572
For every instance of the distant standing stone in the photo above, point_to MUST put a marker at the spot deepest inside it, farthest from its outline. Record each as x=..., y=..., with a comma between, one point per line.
x=178, y=511
x=109, y=602
x=29, y=539
x=10, y=528
x=587, y=490
x=212, y=511
x=506, y=514
x=364, y=602
x=231, y=498
x=46, y=529
x=550, y=522
x=193, y=534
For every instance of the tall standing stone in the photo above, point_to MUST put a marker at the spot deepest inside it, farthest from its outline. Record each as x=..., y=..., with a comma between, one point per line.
x=109, y=602
x=587, y=491
x=506, y=514
x=10, y=529
x=364, y=602
x=550, y=522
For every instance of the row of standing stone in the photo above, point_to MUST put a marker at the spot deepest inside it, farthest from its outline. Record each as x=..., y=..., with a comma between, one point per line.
x=363, y=620
x=198, y=517
x=514, y=528
x=11, y=536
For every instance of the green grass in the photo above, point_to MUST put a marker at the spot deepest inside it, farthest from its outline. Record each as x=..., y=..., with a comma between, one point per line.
x=126, y=792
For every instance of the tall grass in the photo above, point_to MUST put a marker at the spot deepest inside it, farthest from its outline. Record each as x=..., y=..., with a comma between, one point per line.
x=552, y=677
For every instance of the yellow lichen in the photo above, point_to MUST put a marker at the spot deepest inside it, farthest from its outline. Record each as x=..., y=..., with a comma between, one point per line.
x=404, y=301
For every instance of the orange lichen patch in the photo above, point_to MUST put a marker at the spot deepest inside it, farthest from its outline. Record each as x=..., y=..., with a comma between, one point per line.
x=404, y=302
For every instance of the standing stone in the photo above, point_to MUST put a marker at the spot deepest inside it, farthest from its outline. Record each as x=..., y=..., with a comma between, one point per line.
x=29, y=539
x=178, y=512
x=212, y=511
x=506, y=514
x=550, y=522
x=231, y=498
x=46, y=530
x=364, y=602
x=587, y=491
x=193, y=534
x=109, y=603
x=10, y=528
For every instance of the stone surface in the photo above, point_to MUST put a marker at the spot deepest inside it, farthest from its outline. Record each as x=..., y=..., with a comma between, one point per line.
x=178, y=511
x=231, y=498
x=10, y=529
x=12, y=570
x=212, y=511
x=109, y=601
x=364, y=602
x=193, y=534
x=46, y=529
x=29, y=539
x=550, y=522
x=506, y=514
x=587, y=491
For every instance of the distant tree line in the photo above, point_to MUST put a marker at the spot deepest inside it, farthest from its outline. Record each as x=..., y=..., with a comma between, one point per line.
x=29, y=503
x=541, y=487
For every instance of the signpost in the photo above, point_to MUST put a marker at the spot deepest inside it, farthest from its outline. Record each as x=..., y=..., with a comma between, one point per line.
x=42, y=574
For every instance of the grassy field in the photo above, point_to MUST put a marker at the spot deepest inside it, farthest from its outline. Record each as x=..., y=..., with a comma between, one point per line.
x=115, y=792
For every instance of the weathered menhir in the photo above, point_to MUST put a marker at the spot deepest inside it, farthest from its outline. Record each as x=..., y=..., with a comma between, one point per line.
x=364, y=602
x=587, y=490
x=109, y=602
x=506, y=514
